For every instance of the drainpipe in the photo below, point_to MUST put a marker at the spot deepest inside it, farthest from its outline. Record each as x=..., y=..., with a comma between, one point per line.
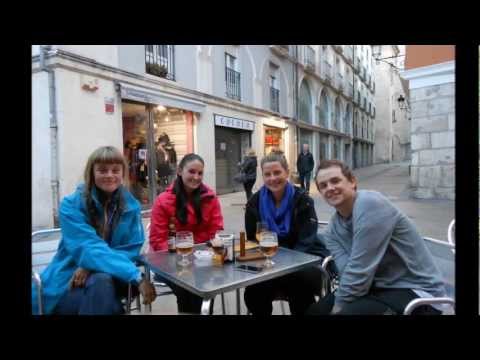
x=54, y=182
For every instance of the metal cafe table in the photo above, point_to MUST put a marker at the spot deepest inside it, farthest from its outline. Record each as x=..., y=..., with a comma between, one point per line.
x=207, y=280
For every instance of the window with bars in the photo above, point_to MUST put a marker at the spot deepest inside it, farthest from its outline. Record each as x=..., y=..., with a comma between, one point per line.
x=232, y=77
x=160, y=61
x=274, y=91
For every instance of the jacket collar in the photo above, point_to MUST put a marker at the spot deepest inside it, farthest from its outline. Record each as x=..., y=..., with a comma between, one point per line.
x=131, y=203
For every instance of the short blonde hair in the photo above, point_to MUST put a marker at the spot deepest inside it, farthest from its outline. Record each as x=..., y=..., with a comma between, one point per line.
x=251, y=152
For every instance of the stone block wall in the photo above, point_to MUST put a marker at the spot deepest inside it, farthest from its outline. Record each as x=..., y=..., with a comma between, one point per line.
x=433, y=142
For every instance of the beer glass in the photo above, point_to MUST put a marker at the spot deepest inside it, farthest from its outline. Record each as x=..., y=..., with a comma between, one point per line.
x=184, y=245
x=268, y=246
x=261, y=227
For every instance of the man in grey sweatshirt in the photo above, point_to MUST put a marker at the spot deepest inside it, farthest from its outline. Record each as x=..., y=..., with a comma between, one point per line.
x=382, y=260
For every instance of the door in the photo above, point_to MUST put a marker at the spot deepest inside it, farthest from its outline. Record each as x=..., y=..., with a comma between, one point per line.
x=228, y=155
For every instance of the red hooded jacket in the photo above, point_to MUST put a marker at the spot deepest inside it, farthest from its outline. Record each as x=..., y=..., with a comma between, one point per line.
x=164, y=208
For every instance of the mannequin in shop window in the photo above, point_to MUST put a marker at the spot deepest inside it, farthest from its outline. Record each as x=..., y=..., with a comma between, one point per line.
x=166, y=161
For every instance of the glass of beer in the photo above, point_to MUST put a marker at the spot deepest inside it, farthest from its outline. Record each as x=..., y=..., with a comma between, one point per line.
x=218, y=247
x=261, y=227
x=184, y=245
x=268, y=246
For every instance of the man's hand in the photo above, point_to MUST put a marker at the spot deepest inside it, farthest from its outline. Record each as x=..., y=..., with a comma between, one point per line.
x=79, y=278
x=148, y=291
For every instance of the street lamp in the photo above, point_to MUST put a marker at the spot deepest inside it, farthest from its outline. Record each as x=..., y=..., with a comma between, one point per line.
x=402, y=103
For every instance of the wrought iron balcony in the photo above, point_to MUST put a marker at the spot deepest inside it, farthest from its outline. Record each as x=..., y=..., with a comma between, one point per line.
x=327, y=71
x=281, y=50
x=232, y=78
x=274, y=99
x=160, y=61
x=348, y=51
x=309, y=59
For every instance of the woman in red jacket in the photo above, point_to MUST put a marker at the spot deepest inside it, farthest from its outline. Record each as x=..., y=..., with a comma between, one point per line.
x=195, y=208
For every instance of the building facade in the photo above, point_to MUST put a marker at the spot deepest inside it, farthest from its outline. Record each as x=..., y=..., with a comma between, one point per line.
x=159, y=102
x=430, y=70
x=392, y=125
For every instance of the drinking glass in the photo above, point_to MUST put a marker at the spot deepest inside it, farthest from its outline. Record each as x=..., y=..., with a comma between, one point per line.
x=184, y=245
x=268, y=246
x=261, y=227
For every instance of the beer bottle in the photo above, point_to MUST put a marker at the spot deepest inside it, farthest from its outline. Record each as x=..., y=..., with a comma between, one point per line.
x=171, y=235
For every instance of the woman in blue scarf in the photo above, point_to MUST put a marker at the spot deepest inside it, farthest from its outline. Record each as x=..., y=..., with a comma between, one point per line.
x=288, y=211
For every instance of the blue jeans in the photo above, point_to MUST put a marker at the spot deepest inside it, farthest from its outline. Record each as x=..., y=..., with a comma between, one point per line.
x=98, y=297
x=305, y=180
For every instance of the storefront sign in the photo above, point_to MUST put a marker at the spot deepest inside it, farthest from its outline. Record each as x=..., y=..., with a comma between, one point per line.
x=234, y=123
x=109, y=105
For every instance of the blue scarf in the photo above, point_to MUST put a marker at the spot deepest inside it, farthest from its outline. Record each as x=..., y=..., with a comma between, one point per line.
x=278, y=220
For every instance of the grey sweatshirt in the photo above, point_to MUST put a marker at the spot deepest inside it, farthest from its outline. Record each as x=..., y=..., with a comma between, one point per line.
x=379, y=246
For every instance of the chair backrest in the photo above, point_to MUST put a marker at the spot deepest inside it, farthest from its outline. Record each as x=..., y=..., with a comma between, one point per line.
x=451, y=234
x=146, y=214
x=44, y=247
x=445, y=260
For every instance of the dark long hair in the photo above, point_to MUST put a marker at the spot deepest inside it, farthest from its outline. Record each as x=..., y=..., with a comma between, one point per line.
x=181, y=194
x=103, y=155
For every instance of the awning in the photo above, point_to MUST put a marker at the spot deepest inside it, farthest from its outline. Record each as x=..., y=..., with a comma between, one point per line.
x=153, y=97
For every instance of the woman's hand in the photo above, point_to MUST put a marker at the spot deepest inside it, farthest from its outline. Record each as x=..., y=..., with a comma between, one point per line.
x=79, y=278
x=148, y=291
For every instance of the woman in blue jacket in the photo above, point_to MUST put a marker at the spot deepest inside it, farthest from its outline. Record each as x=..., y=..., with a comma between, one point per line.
x=101, y=233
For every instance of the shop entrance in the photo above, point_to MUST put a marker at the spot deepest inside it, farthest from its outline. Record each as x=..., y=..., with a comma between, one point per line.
x=154, y=139
x=230, y=146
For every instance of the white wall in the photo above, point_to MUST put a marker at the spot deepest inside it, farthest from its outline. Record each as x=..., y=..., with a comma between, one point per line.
x=105, y=54
x=83, y=125
x=42, y=215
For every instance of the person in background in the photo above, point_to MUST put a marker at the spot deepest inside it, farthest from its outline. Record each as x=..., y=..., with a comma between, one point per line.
x=102, y=232
x=194, y=207
x=249, y=169
x=305, y=165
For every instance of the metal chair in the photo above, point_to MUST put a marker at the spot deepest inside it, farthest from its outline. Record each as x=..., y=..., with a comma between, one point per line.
x=328, y=281
x=443, y=254
x=451, y=234
x=43, y=251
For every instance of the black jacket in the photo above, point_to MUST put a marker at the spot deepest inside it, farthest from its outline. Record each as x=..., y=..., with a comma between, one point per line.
x=249, y=168
x=305, y=163
x=303, y=226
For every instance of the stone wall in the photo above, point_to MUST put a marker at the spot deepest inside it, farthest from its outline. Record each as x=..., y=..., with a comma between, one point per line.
x=433, y=141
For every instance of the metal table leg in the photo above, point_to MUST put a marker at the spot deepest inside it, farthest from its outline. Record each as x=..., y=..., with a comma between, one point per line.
x=206, y=306
x=238, y=301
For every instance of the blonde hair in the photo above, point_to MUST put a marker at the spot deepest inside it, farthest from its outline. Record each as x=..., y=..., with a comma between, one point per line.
x=251, y=152
x=103, y=155
x=275, y=157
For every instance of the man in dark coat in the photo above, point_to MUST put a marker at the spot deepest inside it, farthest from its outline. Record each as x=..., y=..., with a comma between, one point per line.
x=305, y=166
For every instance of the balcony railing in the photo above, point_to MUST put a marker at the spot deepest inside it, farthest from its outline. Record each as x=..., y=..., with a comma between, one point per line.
x=160, y=61
x=232, y=78
x=309, y=60
x=350, y=90
x=348, y=52
x=339, y=81
x=357, y=63
x=274, y=99
x=327, y=70
x=281, y=50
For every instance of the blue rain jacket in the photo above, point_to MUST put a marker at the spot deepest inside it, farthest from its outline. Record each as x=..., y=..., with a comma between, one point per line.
x=80, y=246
